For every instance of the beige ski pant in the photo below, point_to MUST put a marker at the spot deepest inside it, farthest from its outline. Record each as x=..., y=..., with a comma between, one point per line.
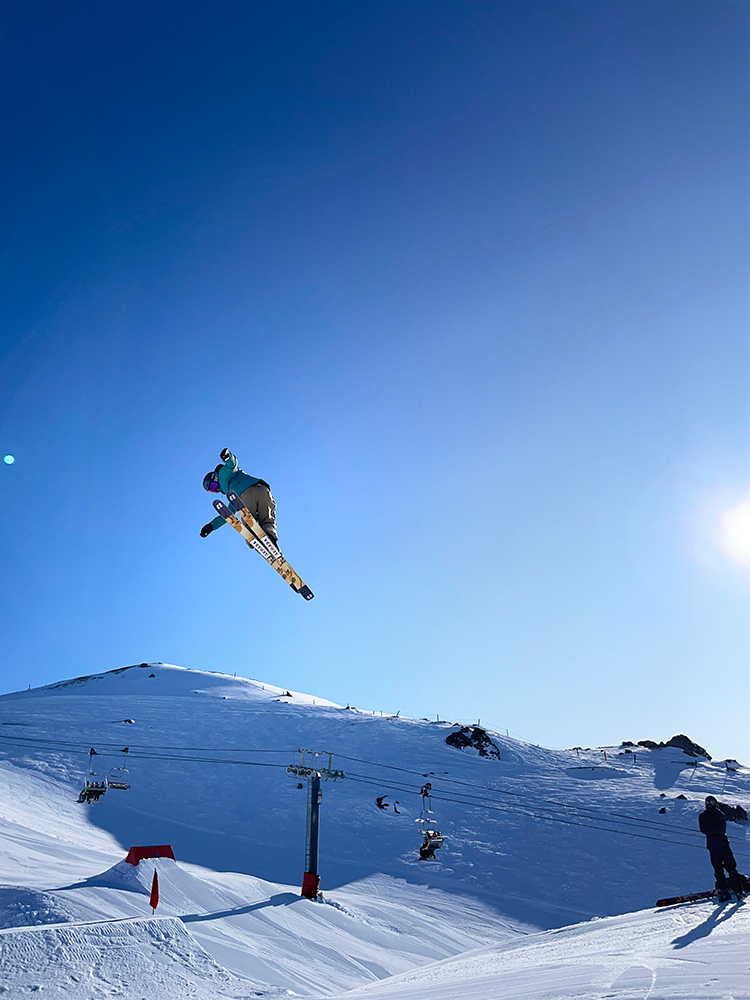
x=260, y=502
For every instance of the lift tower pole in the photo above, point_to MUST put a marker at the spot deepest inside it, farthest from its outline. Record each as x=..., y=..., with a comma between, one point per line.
x=311, y=878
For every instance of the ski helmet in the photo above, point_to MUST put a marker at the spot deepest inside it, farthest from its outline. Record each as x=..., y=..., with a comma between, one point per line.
x=211, y=482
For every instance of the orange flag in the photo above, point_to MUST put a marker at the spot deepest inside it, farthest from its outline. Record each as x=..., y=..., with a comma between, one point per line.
x=154, y=901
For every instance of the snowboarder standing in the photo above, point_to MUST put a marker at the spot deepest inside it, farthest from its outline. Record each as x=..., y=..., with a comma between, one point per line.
x=254, y=493
x=713, y=823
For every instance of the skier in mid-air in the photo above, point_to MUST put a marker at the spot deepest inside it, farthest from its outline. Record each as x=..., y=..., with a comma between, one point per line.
x=713, y=823
x=254, y=493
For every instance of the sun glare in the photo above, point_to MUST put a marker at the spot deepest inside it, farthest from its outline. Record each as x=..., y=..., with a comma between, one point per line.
x=735, y=532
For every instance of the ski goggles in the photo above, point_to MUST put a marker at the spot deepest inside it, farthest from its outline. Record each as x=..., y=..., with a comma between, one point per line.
x=213, y=486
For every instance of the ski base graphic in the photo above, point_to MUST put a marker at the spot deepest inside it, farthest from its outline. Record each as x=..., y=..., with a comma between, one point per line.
x=257, y=539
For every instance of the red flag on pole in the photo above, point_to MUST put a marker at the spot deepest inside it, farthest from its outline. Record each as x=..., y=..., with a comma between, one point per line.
x=154, y=901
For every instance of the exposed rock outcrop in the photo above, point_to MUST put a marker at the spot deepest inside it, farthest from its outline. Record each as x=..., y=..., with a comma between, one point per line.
x=680, y=742
x=473, y=736
x=734, y=813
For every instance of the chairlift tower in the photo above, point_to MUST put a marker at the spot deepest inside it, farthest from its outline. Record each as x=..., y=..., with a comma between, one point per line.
x=314, y=772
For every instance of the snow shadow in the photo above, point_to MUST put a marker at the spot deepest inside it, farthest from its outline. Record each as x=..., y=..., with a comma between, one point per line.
x=596, y=772
x=666, y=773
x=704, y=929
x=280, y=899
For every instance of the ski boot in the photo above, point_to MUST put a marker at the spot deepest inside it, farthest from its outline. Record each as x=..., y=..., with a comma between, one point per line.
x=725, y=895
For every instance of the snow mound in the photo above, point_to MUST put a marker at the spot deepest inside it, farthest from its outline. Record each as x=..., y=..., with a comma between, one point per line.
x=184, y=891
x=23, y=907
x=148, y=959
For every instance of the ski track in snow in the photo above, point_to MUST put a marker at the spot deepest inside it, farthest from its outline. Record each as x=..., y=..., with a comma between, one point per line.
x=497, y=915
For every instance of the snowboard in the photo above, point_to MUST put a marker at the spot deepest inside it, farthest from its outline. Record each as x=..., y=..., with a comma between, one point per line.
x=246, y=525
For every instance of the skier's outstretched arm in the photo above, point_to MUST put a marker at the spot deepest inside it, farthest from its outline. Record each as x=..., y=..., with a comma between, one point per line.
x=218, y=522
x=229, y=469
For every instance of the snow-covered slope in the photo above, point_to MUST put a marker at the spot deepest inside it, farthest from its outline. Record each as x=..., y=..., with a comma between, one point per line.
x=668, y=955
x=535, y=840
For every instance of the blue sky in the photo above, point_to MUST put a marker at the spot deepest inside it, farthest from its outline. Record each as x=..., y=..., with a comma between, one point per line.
x=465, y=282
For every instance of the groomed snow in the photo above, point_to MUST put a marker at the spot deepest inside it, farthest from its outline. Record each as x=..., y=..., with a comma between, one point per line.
x=674, y=954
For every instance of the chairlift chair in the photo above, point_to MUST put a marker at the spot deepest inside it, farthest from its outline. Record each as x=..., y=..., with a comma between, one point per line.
x=433, y=839
x=119, y=777
x=95, y=784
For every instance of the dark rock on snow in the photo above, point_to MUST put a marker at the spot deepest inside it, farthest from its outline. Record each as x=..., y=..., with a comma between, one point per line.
x=680, y=742
x=468, y=736
x=734, y=813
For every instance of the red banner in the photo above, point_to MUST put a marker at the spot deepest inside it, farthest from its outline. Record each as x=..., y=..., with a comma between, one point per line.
x=136, y=854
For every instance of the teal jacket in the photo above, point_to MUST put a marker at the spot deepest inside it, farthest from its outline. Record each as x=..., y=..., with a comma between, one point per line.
x=231, y=477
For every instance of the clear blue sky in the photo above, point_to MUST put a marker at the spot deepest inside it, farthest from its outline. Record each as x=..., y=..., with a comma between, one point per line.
x=465, y=282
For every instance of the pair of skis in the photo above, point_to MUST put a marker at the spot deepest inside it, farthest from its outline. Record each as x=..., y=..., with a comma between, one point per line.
x=691, y=897
x=257, y=539
x=694, y=897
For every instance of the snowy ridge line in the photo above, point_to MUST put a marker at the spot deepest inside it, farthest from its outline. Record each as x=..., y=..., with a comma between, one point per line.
x=525, y=811
x=543, y=812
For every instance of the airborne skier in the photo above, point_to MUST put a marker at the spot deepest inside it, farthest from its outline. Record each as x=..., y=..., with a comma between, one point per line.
x=254, y=493
x=251, y=510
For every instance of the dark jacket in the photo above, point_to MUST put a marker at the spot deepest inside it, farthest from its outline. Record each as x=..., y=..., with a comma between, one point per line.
x=713, y=823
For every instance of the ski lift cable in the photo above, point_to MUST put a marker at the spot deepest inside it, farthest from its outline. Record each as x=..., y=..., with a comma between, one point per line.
x=117, y=747
x=135, y=755
x=584, y=812
x=136, y=750
x=552, y=806
x=539, y=804
x=525, y=811
x=474, y=802
x=593, y=813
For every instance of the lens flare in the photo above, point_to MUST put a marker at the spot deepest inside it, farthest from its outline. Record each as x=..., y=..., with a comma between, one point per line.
x=735, y=532
x=9, y=460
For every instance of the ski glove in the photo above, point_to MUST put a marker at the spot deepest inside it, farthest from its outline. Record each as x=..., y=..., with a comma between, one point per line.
x=224, y=455
x=206, y=530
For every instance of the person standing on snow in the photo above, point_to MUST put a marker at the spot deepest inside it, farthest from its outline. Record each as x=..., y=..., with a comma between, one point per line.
x=254, y=493
x=713, y=823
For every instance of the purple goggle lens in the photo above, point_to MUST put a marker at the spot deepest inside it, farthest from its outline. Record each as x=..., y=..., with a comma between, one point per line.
x=213, y=486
